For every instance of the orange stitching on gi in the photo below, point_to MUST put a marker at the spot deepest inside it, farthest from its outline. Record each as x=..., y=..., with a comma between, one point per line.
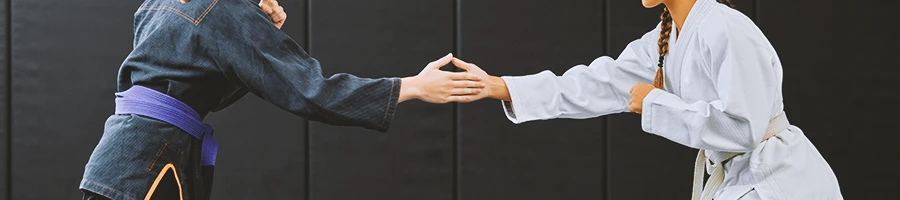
x=206, y=11
x=182, y=14
x=159, y=178
x=189, y=18
x=158, y=153
x=389, y=103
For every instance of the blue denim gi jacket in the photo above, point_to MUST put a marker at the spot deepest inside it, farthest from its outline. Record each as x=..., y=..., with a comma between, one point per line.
x=208, y=54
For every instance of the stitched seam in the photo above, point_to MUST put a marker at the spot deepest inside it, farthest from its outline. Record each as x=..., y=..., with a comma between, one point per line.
x=110, y=189
x=162, y=173
x=388, y=106
x=205, y=12
x=158, y=153
x=185, y=16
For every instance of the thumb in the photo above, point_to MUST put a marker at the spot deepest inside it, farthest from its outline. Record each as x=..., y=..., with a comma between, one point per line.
x=437, y=64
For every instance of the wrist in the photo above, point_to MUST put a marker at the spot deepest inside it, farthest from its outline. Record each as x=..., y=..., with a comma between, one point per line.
x=497, y=88
x=408, y=89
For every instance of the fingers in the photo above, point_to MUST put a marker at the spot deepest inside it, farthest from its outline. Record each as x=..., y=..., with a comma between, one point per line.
x=467, y=84
x=271, y=3
x=465, y=91
x=268, y=6
x=437, y=64
x=461, y=99
x=279, y=14
x=267, y=9
x=275, y=11
x=633, y=107
x=465, y=65
x=464, y=76
x=461, y=64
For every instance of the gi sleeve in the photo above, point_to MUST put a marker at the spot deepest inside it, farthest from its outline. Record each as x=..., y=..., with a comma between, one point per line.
x=583, y=91
x=251, y=51
x=746, y=87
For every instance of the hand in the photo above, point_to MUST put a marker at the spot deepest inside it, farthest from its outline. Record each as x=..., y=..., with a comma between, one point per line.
x=495, y=87
x=638, y=92
x=276, y=12
x=435, y=86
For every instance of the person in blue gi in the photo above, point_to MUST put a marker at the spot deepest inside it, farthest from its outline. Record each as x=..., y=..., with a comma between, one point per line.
x=193, y=57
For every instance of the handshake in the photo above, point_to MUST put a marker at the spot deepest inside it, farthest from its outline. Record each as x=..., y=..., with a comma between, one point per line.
x=431, y=85
x=435, y=86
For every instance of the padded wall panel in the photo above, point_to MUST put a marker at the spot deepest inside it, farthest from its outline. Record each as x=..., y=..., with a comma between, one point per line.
x=836, y=58
x=65, y=58
x=383, y=38
x=555, y=159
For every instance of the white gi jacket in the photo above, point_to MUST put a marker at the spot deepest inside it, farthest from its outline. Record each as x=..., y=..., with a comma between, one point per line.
x=723, y=85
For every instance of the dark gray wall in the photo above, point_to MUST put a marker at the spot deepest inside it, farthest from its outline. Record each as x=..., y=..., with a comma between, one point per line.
x=840, y=63
x=377, y=38
x=58, y=61
x=557, y=159
x=4, y=99
x=64, y=61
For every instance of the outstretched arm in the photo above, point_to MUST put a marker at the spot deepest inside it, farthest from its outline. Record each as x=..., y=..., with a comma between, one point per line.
x=600, y=88
x=255, y=54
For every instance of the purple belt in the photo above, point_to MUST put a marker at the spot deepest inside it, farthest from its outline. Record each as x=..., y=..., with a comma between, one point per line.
x=147, y=102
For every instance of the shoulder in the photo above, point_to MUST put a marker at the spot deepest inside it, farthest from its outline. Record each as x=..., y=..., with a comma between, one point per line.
x=653, y=34
x=725, y=29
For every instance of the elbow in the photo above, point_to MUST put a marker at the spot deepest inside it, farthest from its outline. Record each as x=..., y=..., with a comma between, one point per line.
x=725, y=145
x=744, y=141
x=739, y=141
x=746, y=137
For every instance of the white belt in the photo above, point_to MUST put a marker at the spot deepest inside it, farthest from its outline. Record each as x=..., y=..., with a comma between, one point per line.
x=713, y=164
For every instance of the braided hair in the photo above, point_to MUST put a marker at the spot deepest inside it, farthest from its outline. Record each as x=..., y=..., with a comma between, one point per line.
x=665, y=30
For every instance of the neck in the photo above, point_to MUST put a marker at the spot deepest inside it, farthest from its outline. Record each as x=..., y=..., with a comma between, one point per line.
x=679, y=10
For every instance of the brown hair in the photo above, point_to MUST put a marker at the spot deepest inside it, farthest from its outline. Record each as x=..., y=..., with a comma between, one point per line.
x=664, y=30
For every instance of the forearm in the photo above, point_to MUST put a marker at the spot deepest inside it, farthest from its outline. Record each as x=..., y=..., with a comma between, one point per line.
x=342, y=99
x=407, y=89
x=701, y=125
x=497, y=89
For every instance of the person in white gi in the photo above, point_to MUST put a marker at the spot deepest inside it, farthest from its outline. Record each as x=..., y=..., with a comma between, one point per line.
x=720, y=92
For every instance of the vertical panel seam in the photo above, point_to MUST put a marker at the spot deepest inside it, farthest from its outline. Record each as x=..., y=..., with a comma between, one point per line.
x=457, y=114
x=8, y=111
x=756, y=11
x=606, y=128
x=307, y=134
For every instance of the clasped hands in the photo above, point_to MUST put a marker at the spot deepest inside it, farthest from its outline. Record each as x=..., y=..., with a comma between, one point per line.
x=436, y=86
